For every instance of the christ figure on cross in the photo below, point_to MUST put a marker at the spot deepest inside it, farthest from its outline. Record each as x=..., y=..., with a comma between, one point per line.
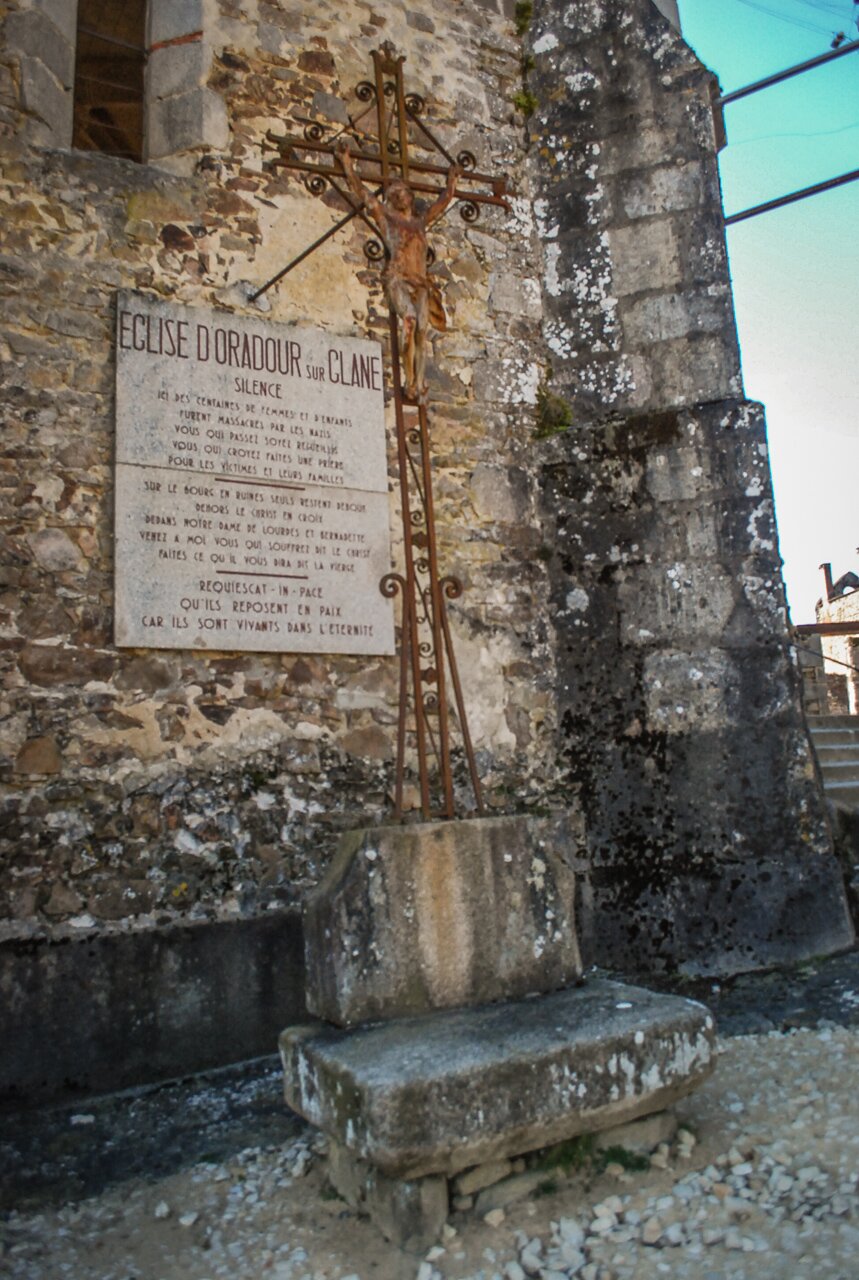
x=410, y=292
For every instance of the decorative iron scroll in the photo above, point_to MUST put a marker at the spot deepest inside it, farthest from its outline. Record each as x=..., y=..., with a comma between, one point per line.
x=383, y=137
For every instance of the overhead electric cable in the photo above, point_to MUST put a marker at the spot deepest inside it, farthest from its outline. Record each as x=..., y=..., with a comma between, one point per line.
x=767, y=137
x=781, y=201
x=837, y=10
x=842, y=7
x=778, y=76
x=795, y=22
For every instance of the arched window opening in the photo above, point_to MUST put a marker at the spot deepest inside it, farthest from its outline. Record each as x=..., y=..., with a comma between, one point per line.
x=109, y=64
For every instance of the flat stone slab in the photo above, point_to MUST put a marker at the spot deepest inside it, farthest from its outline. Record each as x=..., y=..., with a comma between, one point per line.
x=434, y=915
x=439, y=1093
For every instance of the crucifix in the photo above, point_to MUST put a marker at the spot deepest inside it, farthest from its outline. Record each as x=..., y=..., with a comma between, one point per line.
x=370, y=164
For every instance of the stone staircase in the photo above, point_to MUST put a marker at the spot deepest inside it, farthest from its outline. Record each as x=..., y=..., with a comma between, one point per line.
x=836, y=742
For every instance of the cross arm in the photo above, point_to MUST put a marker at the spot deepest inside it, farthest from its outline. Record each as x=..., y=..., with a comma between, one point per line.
x=288, y=146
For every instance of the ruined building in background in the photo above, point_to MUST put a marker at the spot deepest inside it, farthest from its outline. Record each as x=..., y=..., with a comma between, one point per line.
x=839, y=660
x=601, y=487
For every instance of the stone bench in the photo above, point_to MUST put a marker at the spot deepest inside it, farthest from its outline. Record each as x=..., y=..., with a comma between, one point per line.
x=445, y=1091
x=457, y=1029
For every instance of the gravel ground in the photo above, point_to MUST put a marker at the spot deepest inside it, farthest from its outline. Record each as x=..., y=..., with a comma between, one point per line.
x=762, y=1180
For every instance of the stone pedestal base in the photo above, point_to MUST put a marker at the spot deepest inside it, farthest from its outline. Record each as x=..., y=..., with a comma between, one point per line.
x=440, y=1093
x=409, y=1214
x=430, y=916
x=437, y=955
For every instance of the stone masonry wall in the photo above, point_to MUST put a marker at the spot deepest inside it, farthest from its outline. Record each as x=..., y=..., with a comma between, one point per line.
x=145, y=785
x=677, y=686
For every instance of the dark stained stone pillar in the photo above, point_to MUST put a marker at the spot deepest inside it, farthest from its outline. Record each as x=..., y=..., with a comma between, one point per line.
x=682, y=728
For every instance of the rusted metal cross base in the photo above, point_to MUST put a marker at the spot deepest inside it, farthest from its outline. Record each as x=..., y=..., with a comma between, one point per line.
x=430, y=688
x=425, y=594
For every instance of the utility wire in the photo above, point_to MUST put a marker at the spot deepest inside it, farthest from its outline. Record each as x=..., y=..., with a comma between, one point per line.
x=779, y=76
x=767, y=137
x=789, y=73
x=781, y=201
x=795, y=22
x=837, y=10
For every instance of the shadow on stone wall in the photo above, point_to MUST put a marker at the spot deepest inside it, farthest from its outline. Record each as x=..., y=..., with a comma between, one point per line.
x=105, y=1012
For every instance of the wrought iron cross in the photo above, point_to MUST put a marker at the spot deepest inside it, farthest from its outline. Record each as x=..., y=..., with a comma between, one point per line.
x=384, y=134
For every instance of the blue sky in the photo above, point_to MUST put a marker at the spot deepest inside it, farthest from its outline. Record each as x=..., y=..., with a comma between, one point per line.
x=795, y=270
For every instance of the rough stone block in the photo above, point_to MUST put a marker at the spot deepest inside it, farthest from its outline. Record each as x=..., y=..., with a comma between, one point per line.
x=443, y=1092
x=288, y=19
x=696, y=369
x=499, y=493
x=647, y=146
x=48, y=103
x=686, y=692
x=408, y=1213
x=663, y=191
x=61, y=13
x=514, y=294
x=194, y=119
x=32, y=34
x=330, y=106
x=39, y=755
x=640, y=1136
x=274, y=38
x=644, y=256
x=422, y=917
x=680, y=474
x=675, y=315
x=513, y=381
x=676, y=603
x=507, y=1192
x=171, y=18
x=176, y=69
x=482, y=1176
x=55, y=550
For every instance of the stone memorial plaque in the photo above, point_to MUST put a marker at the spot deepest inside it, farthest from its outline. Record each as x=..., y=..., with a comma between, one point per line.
x=251, y=485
